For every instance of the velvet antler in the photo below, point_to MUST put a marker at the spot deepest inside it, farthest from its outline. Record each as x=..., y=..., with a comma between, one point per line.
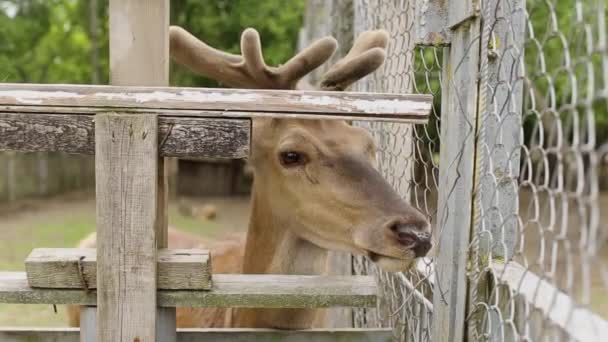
x=250, y=71
x=365, y=56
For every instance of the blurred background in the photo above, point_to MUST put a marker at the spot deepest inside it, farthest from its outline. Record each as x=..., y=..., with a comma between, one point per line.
x=47, y=199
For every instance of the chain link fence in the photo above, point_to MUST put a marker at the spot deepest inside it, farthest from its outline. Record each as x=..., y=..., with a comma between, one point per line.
x=512, y=168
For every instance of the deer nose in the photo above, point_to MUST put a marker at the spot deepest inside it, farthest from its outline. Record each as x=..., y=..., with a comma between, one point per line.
x=413, y=237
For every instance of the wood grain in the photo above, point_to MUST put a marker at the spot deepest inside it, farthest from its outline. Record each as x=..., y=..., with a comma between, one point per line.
x=175, y=101
x=88, y=324
x=229, y=290
x=18, y=334
x=178, y=269
x=126, y=161
x=139, y=55
x=456, y=183
x=178, y=136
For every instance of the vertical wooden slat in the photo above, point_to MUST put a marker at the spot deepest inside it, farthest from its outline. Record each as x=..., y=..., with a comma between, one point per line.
x=126, y=150
x=456, y=180
x=88, y=317
x=139, y=50
x=11, y=179
x=43, y=174
x=166, y=329
x=139, y=55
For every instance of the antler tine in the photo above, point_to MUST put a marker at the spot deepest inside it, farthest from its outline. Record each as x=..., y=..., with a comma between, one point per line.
x=365, y=56
x=248, y=70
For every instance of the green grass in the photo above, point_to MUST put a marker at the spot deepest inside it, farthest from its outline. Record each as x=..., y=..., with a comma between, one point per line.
x=61, y=225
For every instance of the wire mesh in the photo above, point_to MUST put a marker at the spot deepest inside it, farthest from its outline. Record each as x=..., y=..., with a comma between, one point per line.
x=539, y=192
x=407, y=158
x=537, y=266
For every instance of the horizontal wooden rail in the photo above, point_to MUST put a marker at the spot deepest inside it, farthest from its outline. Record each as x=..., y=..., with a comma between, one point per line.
x=555, y=306
x=214, y=102
x=178, y=136
x=9, y=334
x=76, y=268
x=228, y=290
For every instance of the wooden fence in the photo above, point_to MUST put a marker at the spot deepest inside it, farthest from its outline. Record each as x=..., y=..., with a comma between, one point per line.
x=125, y=127
x=39, y=174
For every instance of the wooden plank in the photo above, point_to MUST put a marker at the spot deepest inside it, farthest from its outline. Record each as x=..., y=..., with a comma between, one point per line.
x=88, y=322
x=37, y=98
x=9, y=334
x=456, y=182
x=229, y=290
x=279, y=291
x=553, y=305
x=178, y=269
x=126, y=162
x=139, y=42
x=179, y=136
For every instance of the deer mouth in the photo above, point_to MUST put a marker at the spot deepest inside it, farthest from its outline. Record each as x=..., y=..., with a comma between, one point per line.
x=375, y=257
x=390, y=263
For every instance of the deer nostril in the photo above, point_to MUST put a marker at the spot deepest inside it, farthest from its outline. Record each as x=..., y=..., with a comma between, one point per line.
x=422, y=247
x=405, y=234
x=410, y=236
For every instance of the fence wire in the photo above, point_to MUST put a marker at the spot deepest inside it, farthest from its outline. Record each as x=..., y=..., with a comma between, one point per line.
x=408, y=159
x=540, y=190
x=535, y=139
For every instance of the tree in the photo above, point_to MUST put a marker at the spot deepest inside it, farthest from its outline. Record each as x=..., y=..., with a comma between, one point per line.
x=53, y=41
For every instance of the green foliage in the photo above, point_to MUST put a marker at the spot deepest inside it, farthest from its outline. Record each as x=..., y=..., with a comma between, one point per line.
x=44, y=41
x=220, y=23
x=50, y=41
x=563, y=60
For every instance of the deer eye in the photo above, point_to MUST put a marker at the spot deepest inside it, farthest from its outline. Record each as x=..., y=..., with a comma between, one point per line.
x=292, y=158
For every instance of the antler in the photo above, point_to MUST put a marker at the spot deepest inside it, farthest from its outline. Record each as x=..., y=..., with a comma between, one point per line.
x=250, y=70
x=365, y=56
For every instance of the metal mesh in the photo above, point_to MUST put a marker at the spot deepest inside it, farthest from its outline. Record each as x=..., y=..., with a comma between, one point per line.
x=524, y=166
x=407, y=159
x=539, y=190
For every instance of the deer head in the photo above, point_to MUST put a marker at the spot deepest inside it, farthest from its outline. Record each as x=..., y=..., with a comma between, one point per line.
x=317, y=177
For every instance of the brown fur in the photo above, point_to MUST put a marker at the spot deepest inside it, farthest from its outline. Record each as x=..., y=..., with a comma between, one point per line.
x=335, y=200
x=227, y=257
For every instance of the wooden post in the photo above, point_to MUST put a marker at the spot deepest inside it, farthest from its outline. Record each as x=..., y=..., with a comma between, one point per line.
x=11, y=179
x=457, y=172
x=88, y=317
x=126, y=172
x=131, y=182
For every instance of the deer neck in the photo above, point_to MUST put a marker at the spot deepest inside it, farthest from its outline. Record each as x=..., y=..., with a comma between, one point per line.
x=273, y=248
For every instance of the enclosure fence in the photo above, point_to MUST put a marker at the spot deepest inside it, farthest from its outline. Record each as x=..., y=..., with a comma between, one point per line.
x=511, y=168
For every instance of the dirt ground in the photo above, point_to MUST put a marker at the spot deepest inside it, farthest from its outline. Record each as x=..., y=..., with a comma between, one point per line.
x=63, y=221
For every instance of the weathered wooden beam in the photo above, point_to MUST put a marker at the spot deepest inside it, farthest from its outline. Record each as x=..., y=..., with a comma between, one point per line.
x=460, y=90
x=182, y=137
x=76, y=268
x=139, y=56
x=207, y=102
x=126, y=180
x=19, y=334
x=229, y=290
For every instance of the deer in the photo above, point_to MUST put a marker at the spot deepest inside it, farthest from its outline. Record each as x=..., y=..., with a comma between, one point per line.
x=316, y=187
